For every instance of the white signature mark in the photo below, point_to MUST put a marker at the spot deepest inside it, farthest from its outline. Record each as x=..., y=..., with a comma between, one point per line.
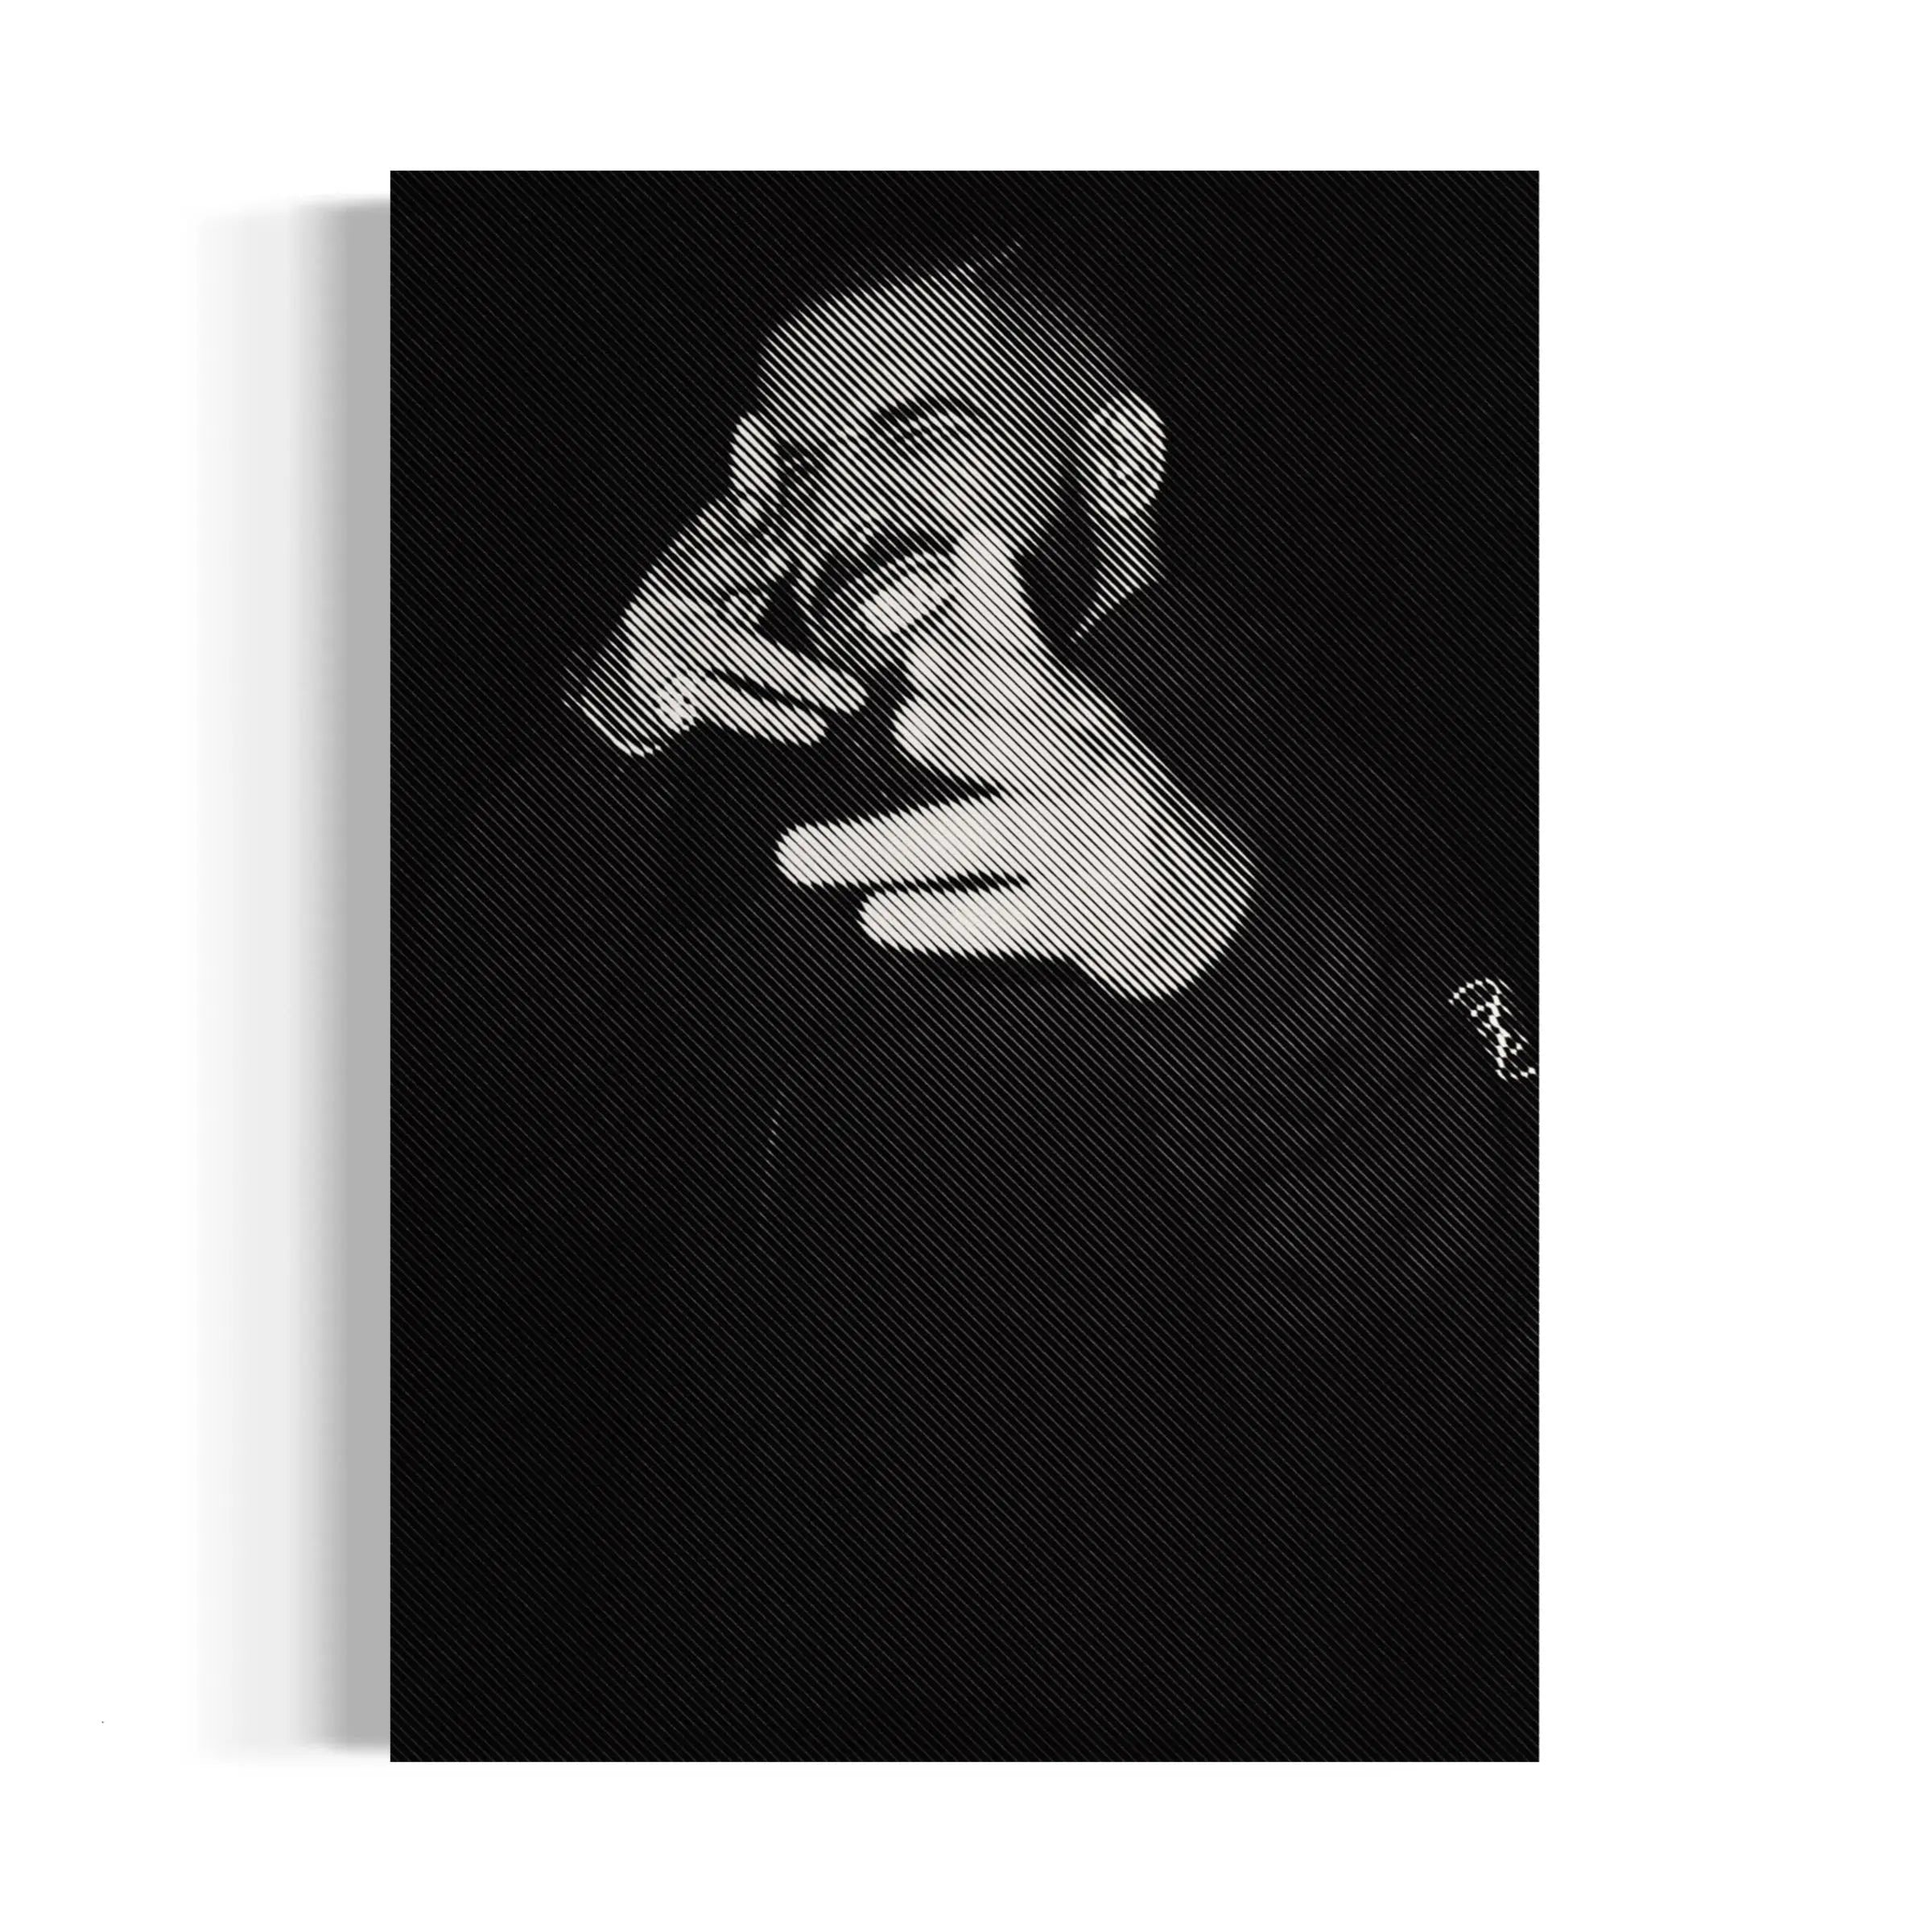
x=1486, y=1002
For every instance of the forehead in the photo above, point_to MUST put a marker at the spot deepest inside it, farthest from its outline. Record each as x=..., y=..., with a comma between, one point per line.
x=828, y=371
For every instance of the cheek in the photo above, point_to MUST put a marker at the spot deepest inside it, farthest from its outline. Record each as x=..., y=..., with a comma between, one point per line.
x=988, y=490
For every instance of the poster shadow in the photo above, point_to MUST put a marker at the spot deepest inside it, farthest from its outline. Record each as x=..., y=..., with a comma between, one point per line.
x=294, y=764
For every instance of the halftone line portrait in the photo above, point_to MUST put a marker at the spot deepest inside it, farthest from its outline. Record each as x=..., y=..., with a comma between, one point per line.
x=965, y=1059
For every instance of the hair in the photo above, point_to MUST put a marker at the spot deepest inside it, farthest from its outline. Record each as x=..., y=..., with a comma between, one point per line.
x=1034, y=282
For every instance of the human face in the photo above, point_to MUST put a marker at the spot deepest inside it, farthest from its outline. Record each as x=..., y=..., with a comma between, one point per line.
x=905, y=417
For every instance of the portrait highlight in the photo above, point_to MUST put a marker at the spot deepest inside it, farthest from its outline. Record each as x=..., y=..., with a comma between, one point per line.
x=964, y=1071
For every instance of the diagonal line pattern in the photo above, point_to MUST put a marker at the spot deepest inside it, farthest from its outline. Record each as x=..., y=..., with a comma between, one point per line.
x=805, y=1349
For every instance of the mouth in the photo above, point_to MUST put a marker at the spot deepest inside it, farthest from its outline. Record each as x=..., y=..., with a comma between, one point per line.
x=883, y=598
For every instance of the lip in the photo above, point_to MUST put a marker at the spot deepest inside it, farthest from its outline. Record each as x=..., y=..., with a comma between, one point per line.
x=850, y=602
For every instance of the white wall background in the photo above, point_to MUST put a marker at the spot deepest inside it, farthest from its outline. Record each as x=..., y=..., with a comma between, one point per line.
x=1734, y=1002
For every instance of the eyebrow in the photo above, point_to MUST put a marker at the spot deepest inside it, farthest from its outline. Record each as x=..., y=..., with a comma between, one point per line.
x=896, y=415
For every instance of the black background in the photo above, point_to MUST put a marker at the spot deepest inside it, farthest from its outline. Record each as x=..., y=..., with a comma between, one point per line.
x=1346, y=364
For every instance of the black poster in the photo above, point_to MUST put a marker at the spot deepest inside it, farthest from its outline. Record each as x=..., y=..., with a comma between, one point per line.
x=965, y=870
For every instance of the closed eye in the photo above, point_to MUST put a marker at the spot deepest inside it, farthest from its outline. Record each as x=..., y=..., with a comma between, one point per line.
x=925, y=429
x=902, y=427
